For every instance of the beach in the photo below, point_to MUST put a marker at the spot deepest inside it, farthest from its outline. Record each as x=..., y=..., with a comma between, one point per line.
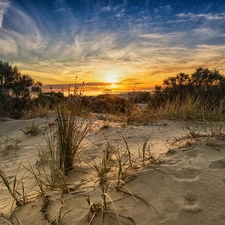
x=179, y=181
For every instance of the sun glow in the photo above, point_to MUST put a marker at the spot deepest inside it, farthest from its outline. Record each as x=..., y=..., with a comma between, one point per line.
x=111, y=77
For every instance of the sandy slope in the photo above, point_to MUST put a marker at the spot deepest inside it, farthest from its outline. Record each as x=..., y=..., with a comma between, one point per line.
x=188, y=187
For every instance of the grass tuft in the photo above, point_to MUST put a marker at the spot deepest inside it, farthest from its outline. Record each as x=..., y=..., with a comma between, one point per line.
x=33, y=129
x=73, y=126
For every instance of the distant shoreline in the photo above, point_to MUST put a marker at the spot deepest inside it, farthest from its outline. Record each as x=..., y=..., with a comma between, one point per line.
x=87, y=90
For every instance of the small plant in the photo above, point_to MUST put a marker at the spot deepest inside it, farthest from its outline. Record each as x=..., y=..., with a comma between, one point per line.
x=43, y=180
x=94, y=209
x=122, y=168
x=205, y=129
x=101, y=208
x=143, y=151
x=60, y=217
x=19, y=197
x=9, y=144
x=102, y=169
x=43, y=155
x=33, y=129
x=57, y=178
x=39, y=182
x=54, y=177
x=128, y=151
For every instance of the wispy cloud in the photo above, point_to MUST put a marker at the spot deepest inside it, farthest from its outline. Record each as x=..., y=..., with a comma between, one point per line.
x=54, y=42
x=4, y=4
x=208, y=16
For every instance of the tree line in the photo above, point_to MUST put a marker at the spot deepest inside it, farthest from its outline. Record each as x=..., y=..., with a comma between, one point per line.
x=19, y=92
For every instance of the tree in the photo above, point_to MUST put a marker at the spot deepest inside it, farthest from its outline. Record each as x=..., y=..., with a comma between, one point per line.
x=7, y=76
x=15, y=84
x=16, y=88
x=208, y=84
x=205, y=78
x=174, y=86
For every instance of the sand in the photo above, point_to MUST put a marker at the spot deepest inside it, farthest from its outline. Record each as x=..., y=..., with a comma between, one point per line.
x=182, y=183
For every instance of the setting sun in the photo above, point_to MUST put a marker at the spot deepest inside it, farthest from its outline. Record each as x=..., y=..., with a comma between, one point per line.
x=113, y=85
x=111, y=77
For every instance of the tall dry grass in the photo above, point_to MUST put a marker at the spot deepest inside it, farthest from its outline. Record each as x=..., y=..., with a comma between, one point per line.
x=38, y=111
x=73, y=125
x=192, y=107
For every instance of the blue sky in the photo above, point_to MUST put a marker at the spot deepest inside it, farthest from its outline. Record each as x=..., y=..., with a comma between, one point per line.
x=136, y=42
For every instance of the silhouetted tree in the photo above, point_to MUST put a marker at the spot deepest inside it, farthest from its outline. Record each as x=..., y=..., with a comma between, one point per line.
x=16, y=90
x=15, y=84
x=208, y=84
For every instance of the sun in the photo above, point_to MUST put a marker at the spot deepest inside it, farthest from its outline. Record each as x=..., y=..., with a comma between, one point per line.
x=111, y=77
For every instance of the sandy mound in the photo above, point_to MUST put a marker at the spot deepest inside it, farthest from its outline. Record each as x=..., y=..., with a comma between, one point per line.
x=180, y=181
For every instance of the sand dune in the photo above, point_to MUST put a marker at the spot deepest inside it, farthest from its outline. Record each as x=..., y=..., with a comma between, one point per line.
x=182, y=183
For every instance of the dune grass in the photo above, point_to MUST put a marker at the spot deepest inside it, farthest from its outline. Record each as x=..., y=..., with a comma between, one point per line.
x=38, y=111
x=73, y=125
x=190, y=108
x=13, y=187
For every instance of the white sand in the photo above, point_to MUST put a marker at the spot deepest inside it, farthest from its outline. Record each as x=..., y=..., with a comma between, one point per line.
x=187, y=188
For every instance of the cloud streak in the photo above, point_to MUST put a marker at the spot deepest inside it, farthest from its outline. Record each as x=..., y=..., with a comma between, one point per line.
x=4, y=4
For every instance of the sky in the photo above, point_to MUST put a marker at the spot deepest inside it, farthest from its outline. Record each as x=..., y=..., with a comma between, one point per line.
x=111, y=44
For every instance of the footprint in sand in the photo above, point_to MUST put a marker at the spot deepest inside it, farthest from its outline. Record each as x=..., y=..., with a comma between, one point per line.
x=218, y=164
x=190, y=199
x=185, y=173
x=191, y=203
x=193, y=153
